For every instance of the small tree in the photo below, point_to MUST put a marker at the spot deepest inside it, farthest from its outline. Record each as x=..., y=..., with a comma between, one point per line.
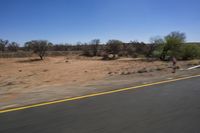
x=13, y=47
x=3, y=44
x=114, y=46
x=95, y=46
x=173, y=43
x=39, y=47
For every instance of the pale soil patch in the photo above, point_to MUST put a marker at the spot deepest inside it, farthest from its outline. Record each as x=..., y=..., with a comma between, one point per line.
x=21, y=78
x=19, y=74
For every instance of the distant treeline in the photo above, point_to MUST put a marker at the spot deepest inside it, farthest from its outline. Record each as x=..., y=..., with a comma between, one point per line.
x=171, y=45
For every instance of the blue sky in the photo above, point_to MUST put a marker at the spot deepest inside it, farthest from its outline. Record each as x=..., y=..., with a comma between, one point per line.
x=61, y=21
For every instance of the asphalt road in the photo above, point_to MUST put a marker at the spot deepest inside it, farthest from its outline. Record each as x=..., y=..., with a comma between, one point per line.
x=166, y=108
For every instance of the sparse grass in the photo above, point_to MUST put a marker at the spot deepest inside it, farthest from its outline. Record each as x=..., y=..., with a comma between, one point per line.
x=10, y=83
x=143, y=70
x=80, y=70
x=159, y=68
x=193, y=63
x=19, y=54
x=29, y=60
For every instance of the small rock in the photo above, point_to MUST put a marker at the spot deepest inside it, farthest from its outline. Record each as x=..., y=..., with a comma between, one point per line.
x=128, y=73
x=159, y=68
x=144, y=70
x=150, y=70
x=122, y=73
x=109, y=72
x=178, y=67
x=10, y=83
x=45, y=70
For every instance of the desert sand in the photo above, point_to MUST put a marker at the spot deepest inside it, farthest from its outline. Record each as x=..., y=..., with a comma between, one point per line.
x=24, y=74
x=29, y=79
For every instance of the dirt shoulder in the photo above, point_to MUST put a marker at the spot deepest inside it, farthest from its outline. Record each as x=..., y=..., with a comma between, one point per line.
x=25, y=81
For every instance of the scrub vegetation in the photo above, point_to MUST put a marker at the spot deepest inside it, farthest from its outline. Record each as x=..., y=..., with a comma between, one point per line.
x=159, y=48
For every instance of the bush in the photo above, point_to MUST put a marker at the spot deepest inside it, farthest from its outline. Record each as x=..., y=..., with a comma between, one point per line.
x=38, y=47
x=114, y=47
x=155, y=43
x=190, y=51
x=172, y=45
x=3, y=44
x=13, y=47
x=87, y=51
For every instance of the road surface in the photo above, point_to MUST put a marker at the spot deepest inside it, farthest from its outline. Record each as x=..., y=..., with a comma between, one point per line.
x=165, y=108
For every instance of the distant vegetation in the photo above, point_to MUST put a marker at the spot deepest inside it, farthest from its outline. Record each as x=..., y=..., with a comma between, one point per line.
x=172, y=45
x=38, y=47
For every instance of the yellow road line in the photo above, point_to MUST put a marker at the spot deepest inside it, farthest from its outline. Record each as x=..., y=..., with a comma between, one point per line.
x=95, y=94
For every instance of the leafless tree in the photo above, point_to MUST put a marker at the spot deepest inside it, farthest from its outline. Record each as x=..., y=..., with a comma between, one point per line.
x=13, y=47
x=3, y=44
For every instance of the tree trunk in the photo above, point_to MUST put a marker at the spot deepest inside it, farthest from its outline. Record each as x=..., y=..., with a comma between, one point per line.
x=41, y=57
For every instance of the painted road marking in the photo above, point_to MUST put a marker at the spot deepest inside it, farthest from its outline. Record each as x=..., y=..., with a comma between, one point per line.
x=95, y=94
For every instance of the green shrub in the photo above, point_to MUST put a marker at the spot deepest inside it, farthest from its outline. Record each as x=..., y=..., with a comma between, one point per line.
x=190, y=51
x=172, y=45
x=157, y=53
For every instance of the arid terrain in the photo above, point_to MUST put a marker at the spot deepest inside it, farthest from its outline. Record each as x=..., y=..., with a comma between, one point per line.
x=24, y=74
x=55, y=77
